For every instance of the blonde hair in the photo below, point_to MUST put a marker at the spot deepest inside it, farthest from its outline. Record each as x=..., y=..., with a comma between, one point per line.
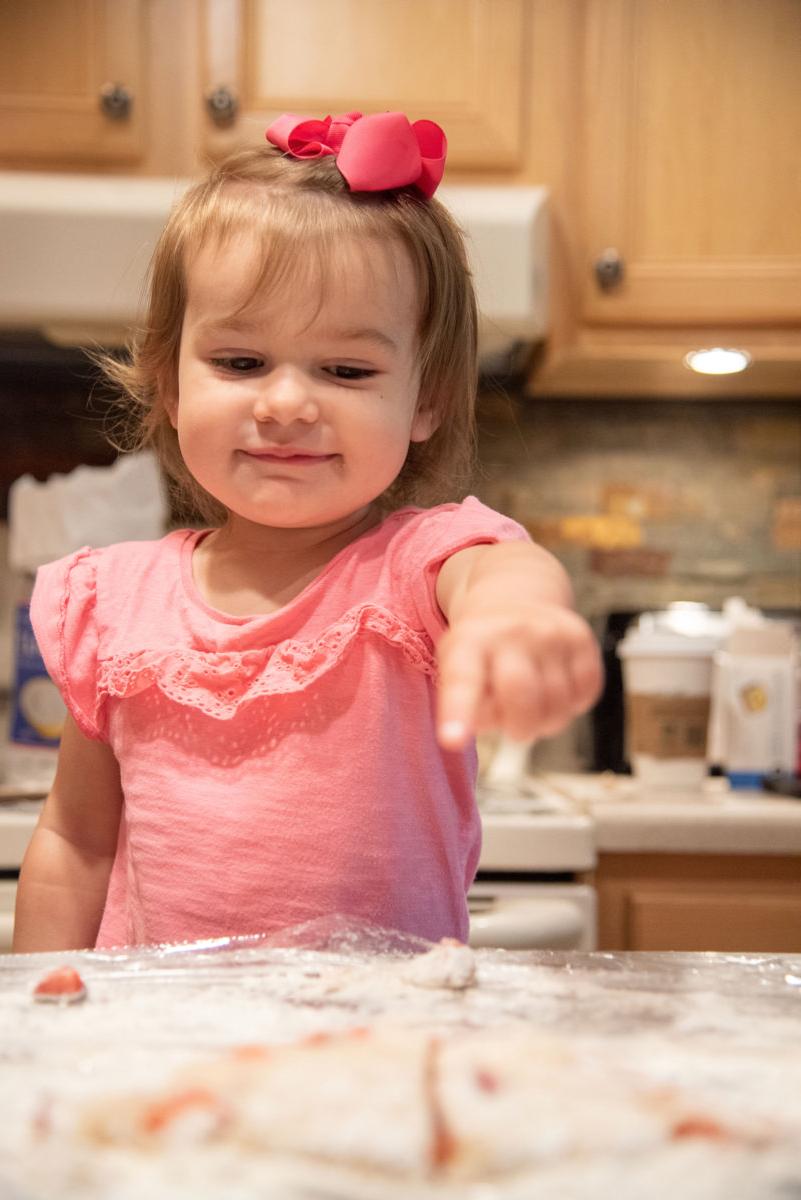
x=292, y=206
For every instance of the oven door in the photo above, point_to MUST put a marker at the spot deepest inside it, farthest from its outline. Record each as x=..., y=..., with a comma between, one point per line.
x=532, y=916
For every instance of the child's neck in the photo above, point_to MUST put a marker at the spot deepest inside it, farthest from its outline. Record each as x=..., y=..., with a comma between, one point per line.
x=246, y=569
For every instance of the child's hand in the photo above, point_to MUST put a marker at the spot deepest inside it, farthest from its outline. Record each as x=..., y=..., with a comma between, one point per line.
x=526, y=670
x=516, y=657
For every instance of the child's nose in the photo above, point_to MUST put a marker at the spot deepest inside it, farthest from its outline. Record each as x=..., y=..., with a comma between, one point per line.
x=285, y=396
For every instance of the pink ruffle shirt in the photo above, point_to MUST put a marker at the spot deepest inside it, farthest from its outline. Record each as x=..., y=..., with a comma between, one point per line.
x=280, y=767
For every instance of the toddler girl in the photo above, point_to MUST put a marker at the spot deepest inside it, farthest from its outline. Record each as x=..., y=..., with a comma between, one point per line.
x=271, y=718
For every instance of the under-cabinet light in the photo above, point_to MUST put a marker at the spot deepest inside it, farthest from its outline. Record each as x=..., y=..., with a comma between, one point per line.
x=717, y=361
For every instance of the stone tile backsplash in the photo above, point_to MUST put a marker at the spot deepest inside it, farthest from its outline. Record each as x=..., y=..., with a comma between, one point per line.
x=652, y=501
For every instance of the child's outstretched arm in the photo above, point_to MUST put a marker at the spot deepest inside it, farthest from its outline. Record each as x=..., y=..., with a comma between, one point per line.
x=65, y=872
x=516, y=656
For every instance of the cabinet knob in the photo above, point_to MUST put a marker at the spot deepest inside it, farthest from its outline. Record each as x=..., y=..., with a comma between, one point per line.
x=609, y=269
x=116, y=101
x=222, y=105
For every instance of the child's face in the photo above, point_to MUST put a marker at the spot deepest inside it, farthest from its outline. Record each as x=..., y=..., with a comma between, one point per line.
x=299, y=412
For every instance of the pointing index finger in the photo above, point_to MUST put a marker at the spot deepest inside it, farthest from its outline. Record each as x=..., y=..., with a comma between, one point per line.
x=461, y=685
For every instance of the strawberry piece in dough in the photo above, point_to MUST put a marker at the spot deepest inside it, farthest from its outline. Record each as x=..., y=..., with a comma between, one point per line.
x=62, y=986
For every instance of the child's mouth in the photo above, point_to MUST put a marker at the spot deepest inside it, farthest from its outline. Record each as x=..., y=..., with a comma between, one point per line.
x=292, y=458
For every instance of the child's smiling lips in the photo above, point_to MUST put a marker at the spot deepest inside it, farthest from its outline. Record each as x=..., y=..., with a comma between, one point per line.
x=295, y=456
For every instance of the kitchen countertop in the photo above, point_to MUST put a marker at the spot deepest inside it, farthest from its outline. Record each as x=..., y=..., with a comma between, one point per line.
x=626, y=819
x=716, y=820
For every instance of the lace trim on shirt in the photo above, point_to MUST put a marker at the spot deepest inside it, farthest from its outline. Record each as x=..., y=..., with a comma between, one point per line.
x=219, y=683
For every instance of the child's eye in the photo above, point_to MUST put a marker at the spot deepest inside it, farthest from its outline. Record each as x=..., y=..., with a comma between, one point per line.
x=340, y=371
x=238, y=364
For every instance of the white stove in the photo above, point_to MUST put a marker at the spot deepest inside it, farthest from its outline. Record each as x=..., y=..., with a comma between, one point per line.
x=530, y=891
x=18, y=816
x=531, y=828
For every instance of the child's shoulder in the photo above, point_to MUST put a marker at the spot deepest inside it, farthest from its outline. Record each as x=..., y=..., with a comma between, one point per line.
x=414, y=542
x=123, y=557
x=121, y=570
x=458, y=518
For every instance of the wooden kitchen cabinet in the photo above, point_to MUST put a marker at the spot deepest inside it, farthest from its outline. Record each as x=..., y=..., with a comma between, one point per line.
x=205, y=77
x=683, y=174
x=665, y=130
x=712, y=902
x=693, y=124
x=105, y=86
x=459, y=62
x=59, y=65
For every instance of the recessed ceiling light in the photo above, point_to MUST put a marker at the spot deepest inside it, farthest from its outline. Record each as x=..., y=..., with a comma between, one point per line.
x=717, y=361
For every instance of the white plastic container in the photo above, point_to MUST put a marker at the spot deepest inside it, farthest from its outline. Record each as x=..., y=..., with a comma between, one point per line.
x=667, y=682
x=755, y=703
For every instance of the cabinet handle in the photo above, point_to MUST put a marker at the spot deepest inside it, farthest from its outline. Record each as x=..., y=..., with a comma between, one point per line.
x=116, y=101
x=222, y=105
x=609, y=269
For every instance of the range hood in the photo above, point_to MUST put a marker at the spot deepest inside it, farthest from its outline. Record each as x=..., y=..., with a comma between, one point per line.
x=75, y=248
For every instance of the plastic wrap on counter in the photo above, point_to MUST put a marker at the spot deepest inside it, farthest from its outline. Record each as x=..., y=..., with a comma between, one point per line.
x=720, y=1028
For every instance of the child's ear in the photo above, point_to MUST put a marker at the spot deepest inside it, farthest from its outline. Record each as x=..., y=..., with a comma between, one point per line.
x=426, y=422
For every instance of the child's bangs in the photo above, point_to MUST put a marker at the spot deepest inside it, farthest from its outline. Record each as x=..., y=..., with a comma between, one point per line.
x=298, y=238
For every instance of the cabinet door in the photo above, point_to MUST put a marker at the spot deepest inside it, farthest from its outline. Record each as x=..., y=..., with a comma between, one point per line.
x=715, y=902
x=459, y=62
x=692, y=118
x=58, y=60
x=721, y=921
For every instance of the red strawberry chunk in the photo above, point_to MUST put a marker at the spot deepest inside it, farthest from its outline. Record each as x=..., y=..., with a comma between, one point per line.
x=62, y=985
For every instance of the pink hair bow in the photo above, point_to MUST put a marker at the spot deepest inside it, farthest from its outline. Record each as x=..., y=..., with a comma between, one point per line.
x=373, y=153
